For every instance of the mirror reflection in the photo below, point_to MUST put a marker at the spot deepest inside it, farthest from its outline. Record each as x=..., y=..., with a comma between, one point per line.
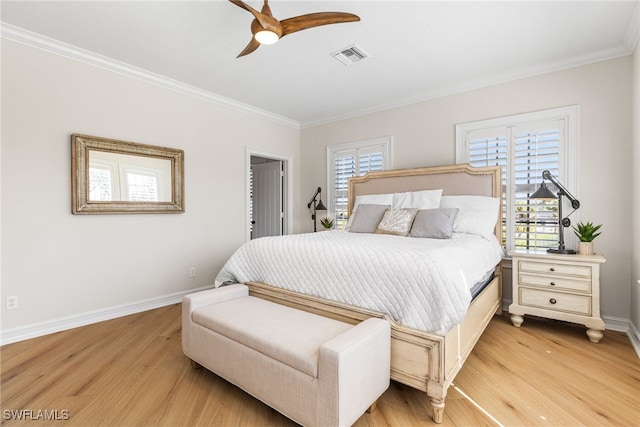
x=125, y=177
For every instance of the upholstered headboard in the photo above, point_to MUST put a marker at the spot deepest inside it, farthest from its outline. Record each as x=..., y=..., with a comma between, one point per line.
x=460, y=179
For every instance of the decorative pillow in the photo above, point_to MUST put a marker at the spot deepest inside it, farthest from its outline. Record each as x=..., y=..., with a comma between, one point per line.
x=423, y=199
x=397, y=221
x=370, y=199
x=476, y=215
x=367, y=217
x=434, y=223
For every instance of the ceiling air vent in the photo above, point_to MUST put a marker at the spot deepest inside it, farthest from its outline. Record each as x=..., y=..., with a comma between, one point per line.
x=350, y=54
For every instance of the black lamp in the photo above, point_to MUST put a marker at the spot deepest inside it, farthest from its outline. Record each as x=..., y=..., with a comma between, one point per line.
x=544, y=193
x=317, y=206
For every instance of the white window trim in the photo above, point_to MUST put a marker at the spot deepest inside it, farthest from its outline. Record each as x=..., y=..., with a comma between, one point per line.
x=386, y=141
x=569, y=152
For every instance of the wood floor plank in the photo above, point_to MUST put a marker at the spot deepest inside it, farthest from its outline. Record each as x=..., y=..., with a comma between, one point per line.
x=131, y=371
x=557, y=385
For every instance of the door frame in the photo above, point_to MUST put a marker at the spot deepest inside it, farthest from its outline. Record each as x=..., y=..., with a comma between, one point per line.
x=287, y=195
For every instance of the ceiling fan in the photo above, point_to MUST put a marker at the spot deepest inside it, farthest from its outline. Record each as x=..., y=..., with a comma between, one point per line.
x=268, y=30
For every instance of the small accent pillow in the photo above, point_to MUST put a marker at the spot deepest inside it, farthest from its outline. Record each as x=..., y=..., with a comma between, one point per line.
x=369, y=199
x=397, y=221
x=423, y=199
x=367, y=217
x=477, y=215
x=434, y=223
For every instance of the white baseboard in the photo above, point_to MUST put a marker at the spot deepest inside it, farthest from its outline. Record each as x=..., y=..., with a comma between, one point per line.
x=634, y=337
x=624, y=325
x=616, y=324
x=33, y=330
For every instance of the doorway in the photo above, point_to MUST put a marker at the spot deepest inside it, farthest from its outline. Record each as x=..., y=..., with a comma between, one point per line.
x=268, y=203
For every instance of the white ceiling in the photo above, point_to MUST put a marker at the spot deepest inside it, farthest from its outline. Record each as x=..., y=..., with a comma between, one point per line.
x=418, y=50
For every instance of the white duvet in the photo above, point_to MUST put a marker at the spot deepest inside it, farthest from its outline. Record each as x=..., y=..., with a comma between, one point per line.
x=420, y=283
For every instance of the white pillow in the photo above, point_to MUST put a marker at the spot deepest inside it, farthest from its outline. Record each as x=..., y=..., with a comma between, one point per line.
x=369, y=199
x=476, y=214
x=423, y=199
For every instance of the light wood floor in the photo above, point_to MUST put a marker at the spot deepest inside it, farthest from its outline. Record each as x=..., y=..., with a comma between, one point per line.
x=131, y=371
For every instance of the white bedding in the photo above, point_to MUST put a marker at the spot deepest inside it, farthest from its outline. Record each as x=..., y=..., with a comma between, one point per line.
x=420, y=283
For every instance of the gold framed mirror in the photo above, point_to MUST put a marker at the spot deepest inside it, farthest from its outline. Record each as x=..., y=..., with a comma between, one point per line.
x=109, y=176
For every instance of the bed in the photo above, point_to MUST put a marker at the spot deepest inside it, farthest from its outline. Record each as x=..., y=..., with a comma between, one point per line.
x=429, y=343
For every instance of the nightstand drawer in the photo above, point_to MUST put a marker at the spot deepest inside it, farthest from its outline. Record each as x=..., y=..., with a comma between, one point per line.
x=553, y=282
x=556, y=301
x=552, y=268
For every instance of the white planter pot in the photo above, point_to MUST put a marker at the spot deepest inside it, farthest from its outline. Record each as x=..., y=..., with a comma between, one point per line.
x=585, y=248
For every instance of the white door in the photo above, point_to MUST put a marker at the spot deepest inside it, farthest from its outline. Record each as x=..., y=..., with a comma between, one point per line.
x=267, y=201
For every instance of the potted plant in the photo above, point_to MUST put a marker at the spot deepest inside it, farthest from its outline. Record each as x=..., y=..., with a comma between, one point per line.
x=586, y=232
x=327, y=223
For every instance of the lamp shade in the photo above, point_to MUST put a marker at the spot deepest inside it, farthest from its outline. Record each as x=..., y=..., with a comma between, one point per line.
x=320, y=206
x=543, y=193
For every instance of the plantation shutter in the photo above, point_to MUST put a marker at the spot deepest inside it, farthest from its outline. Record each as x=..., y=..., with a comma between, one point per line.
x=536, y=148
x=100, y=183
x=524, y=152
x=491, y=148
x=141, y=186
x=345, y=167
x=347, y=164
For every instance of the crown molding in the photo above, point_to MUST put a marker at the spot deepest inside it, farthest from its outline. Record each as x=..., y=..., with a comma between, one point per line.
x=20, y=35
x=626, y=48
x=11, y=32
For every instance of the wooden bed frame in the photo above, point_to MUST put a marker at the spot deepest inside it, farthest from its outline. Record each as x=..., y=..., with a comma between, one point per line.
x=422, y=360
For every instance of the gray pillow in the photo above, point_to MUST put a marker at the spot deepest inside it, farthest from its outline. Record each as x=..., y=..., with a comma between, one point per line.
x=367, y=217
x=434, y=223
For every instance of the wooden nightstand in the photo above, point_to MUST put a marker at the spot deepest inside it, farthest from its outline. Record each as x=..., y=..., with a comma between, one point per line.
x=561, y=287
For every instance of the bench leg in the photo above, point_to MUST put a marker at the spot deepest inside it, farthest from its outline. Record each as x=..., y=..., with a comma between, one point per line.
x=373, y=407
x=194, y=364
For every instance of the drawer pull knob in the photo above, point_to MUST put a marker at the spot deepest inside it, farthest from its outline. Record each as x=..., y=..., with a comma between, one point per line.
x=552, y=269
x=552, y=301
x=552, y=283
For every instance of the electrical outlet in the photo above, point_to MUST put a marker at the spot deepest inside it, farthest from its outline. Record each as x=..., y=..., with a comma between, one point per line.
x=192, y=272
x=12, y=302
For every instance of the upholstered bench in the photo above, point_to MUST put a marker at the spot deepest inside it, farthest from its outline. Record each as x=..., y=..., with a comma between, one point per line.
x=315, y=370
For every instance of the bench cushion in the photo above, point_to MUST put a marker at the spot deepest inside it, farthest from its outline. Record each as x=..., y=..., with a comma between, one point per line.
x=266, y=327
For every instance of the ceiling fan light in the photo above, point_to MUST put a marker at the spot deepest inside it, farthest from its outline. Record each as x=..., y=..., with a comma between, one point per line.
x=266, y=37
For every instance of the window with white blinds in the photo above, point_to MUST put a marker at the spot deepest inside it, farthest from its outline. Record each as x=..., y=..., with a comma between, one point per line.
x=524, y=146
x=141, y=185
x=100, y=183
x=490, y=148
x=347, y=161
x=535, y=150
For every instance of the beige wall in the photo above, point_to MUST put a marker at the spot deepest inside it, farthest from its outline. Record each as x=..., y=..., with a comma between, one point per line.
x=423, y=135
x=635, y=210
x=61, y=265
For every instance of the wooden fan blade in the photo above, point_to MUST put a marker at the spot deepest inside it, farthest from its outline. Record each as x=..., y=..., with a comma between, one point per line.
x=302, y=22
x=265, y=20
x=253, y=45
